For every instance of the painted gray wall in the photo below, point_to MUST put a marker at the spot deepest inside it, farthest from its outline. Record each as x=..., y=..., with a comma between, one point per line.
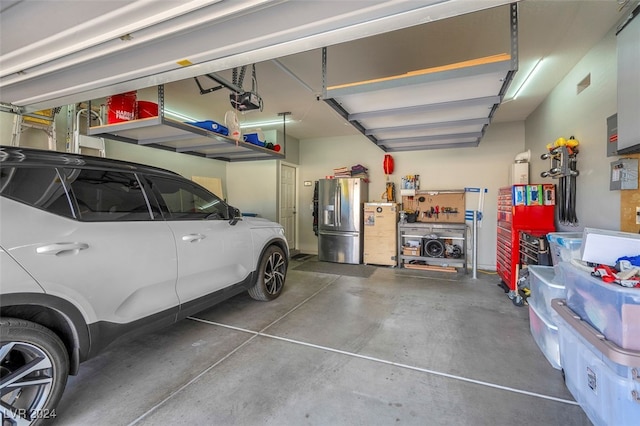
x=486, y=166
x=565, y=113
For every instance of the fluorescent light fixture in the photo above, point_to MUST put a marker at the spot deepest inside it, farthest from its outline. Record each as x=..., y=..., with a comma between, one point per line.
x=528, y=78
x=178, y=115
x=265, y=123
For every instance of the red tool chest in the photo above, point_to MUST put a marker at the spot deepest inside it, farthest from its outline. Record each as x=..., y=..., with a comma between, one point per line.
x=529, y=208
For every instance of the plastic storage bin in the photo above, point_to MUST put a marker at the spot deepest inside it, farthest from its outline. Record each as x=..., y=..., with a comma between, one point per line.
x=544, y=288
x=610, y=308
x=603, y=378
x=545, y=335
x=564, y=246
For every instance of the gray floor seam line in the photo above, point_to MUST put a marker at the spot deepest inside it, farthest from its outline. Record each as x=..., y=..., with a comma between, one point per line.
x=298, y=305
x=255, y=334
x=396, y=364
x=190, y=382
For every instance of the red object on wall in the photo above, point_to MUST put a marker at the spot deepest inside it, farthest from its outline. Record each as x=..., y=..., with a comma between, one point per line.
x=387, y=164
x=534, y=219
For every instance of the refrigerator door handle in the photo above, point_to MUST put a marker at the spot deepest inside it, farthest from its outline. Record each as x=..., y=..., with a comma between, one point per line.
x=338, y=197
x=340, y=234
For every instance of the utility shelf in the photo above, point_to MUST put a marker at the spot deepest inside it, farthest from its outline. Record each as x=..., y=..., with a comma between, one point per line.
x=452, y=235
x=173, y=135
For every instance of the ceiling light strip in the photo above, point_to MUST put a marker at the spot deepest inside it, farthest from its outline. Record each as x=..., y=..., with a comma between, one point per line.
x=178, y=115
x=528, y=78
x=265, y=123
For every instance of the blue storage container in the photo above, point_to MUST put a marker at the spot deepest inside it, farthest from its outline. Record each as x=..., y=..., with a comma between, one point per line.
x=564, y=246
x=602, y=377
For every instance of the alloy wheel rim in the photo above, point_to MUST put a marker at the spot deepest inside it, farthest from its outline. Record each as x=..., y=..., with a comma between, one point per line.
x=26, y=381
x=274, y=273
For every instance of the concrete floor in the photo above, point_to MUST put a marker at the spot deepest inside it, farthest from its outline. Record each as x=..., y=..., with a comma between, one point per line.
x=401, y=347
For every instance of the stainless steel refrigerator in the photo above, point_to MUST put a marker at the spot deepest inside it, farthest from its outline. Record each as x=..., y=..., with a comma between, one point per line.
x=340, y=219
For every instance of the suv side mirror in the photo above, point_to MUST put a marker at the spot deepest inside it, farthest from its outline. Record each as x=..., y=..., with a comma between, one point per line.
x=234, y=215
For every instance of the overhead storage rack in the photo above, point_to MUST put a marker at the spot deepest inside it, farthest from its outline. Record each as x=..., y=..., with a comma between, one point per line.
x=441, y=107
x=177, y=136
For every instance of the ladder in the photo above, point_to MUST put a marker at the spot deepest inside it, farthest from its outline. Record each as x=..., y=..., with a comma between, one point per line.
x=40, y=120
x=80, y=141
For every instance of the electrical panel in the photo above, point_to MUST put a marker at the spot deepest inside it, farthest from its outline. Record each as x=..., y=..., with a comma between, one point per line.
x=624, y=174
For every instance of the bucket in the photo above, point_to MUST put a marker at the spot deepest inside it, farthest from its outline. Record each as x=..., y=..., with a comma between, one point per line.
x=121, y=107
x=147, y=109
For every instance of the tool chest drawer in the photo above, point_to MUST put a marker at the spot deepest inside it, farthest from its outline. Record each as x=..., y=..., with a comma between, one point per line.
x=534, y=249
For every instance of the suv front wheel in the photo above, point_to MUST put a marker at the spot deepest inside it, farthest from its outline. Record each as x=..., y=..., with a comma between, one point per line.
x=34, y=366
x=271, y=275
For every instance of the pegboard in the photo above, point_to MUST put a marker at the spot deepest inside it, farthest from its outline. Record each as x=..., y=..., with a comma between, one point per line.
x=450, y=205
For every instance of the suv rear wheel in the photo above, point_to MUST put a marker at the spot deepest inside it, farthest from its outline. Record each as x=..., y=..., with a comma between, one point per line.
x=271, y=275
x=34, y=365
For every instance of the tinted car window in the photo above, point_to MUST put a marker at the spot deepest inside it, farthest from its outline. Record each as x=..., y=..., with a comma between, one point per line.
x=103, y=195
x=37, y=186
x=184, y=200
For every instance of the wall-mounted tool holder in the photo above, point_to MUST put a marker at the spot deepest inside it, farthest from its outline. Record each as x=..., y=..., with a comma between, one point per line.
x=563, y=159
x=436, y=206
x=560, y=159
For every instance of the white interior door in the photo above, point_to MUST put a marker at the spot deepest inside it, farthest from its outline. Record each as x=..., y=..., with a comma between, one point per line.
x=288, y=203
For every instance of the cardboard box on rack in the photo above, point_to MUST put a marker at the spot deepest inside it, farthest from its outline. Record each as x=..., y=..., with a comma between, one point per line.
x=411, y=251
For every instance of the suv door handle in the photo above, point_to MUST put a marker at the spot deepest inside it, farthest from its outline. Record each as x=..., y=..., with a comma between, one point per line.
x=193, y=238
x=59, y=248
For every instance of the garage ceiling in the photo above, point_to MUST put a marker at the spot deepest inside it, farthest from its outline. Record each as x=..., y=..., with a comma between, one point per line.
x=76, y=51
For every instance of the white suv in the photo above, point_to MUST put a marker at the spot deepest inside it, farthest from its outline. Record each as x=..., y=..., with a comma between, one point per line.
x=92, y=249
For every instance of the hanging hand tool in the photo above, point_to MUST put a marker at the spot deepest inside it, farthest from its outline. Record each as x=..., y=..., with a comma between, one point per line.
x=437, y=211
